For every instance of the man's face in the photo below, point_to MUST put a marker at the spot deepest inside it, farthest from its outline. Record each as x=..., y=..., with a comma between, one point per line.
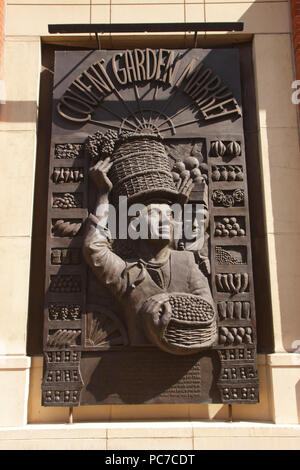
x=159, y=221
x=194, y=227
x=194, y=222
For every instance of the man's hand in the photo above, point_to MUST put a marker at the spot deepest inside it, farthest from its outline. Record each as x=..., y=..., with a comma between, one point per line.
x=98, y=173
x=157, y=313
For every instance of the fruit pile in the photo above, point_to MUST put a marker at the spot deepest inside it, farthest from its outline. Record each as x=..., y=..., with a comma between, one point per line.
x=190, y=168
x=227, y=173
x=65, y=256
x=229, y=227
x=67, y=175
x=234, y=283
x=234, y=310
x=190, y=308
x=223, y=257
x=66, y=228
x=65, y=283
x=232, y=149
x=64, y=312
x=69, y=151
x=101, y=145
x=67, y=201
x=235, y=335
x=226, y=199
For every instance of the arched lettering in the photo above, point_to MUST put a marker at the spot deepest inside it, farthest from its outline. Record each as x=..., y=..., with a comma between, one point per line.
x=117, y=71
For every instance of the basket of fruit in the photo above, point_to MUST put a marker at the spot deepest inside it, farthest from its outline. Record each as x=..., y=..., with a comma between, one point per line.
x=141, y=168
x=191, y=326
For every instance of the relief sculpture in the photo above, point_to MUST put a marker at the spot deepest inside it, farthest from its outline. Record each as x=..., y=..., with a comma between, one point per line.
x=164, y=296
x=149, y=292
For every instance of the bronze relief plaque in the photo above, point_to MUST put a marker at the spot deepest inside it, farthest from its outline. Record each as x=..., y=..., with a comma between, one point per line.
x=149, y=289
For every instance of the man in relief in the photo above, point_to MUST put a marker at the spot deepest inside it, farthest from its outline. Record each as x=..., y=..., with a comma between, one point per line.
x=143, y=285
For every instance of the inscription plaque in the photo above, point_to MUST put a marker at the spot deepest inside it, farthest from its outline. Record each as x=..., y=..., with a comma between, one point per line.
x=149, y=294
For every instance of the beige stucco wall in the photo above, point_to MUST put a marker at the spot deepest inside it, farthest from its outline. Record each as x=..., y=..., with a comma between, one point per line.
x=20, y=376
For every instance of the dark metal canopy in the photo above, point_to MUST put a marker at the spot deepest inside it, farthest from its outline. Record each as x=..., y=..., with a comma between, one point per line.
x=143, y=27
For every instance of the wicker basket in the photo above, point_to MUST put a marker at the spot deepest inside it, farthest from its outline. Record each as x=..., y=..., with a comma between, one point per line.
x=141, y=170
x=192, y=327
